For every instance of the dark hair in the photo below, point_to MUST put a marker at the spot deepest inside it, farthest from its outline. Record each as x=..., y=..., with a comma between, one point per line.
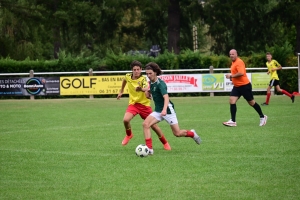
x=268, y=53
x=136, y=63
x=154, y=67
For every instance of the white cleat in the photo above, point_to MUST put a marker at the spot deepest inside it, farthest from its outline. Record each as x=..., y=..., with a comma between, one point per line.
x=196, y=137
x=229, y=123
x=263, y=120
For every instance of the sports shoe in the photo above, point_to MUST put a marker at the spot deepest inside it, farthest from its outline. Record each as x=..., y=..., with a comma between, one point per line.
x=167, y=147
x=229, y=123
x=264, y=104
x=293, y=98
x=196, y=137
x=263, y=120
x=151, y=152
x=126, y=139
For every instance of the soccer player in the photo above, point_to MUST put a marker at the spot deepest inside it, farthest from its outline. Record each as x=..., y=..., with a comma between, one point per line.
x=273, y=67
x=138, y=102
x=164, y=108
x=241, y=87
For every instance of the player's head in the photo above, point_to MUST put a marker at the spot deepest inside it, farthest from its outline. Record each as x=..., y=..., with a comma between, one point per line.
x=269, y=56
x=233, y=54
x=136, y=68
x=152, y=71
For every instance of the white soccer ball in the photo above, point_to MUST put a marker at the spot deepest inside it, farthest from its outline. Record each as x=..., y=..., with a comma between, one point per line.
x=142, y=150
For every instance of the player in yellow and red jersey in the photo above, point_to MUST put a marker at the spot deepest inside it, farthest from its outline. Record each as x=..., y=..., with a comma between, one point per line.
x=273, y=67
x=138, y=103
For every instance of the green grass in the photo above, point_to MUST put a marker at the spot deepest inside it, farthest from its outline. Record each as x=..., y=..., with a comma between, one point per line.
x=71, y=149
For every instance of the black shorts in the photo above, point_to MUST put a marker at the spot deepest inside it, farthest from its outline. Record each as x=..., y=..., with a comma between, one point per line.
x=274, y=82
x=244, y=90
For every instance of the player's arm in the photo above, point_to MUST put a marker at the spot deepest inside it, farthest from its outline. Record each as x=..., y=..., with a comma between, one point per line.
x=166, y=103
x=278, y=66
x=122, y=89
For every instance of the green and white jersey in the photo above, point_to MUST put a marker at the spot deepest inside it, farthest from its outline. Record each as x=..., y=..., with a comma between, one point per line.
x=158, y=90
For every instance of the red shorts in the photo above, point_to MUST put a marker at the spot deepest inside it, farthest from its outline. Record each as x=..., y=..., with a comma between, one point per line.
x=140, y=109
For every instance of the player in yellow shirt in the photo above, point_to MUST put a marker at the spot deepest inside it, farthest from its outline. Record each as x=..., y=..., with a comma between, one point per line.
x=273, y=66
x=138, y=103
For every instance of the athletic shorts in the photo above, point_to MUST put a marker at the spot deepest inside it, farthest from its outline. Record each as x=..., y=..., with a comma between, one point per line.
x=274, y=82
x=170, y=118
x=140, y=109
x=244, y=90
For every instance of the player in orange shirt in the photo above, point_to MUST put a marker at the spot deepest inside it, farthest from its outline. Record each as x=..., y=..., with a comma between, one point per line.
x=138, y=103
x=273, y=67
x=241, y=87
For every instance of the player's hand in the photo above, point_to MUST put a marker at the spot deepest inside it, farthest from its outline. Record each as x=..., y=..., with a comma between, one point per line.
x=268, y=72
x=148, y=94
x=273, y=69
x=163, y=113
x=228, y=76
x=119, y=95
x=138, y=89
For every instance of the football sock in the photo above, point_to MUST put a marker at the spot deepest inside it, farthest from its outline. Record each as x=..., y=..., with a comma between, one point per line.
x=286, y=93
x=149, y=143
x=128, y=132
x=189, y=134
x=233, y=111
x=258, y=110
x=163, y=139
x=268, y=98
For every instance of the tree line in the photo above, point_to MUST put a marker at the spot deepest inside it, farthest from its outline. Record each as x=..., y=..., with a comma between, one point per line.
x=39, y=29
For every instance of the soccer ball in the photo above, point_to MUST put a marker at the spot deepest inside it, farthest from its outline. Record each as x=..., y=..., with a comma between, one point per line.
x=142, y=150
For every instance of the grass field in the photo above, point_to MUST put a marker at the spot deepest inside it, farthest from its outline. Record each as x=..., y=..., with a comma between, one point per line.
x=71, y=149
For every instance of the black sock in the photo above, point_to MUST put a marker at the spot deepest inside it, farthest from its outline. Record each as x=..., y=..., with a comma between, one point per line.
x=233, y=111
x=258, y=110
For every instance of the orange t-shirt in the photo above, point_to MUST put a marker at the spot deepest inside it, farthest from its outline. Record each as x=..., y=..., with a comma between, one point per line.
x=239, y=66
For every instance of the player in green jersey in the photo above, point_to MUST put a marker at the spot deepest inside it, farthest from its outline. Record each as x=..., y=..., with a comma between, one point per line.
x=164, y=108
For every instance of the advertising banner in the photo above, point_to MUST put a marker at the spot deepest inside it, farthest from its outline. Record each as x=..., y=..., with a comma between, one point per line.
x=228, y=83
x=260, y=81
x=178, y=83
x=212, y=82
x=40, y=86
x=90, y=85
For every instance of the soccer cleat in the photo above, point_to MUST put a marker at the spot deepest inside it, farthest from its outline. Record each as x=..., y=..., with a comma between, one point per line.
x=263, y=120
x=151, y=152
x=167, y=147
x=293, y=98
x=264, y=104
x=126, y=139
x=229, y=123
x=196, y=137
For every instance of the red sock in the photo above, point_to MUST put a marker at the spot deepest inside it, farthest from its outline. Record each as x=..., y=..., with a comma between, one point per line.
x=163, y=139
x=268, y=98
x=286, y=93
x=189, y=134
x=128, y=132
x=149, y=143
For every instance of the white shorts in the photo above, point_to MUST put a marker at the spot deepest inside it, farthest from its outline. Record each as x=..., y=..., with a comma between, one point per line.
x=170, y=118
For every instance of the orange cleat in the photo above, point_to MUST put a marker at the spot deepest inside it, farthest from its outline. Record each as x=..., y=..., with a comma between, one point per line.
x=167, y=147
x=126, y=139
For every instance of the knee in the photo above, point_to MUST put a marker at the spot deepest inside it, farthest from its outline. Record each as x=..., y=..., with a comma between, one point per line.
x=126, y=121
x=146, y=125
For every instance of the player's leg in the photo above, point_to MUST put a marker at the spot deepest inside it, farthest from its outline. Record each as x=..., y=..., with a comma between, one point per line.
x=152, y=119
x=129, y=114
x=145, y=111
x=173, y=122
x=248, y=95
x=268, y=94
x=278, y=89
x=234, y=96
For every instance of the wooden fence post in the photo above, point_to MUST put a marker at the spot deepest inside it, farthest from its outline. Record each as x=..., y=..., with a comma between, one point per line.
x=211, y=71
x=31, y=75
x=91, y=74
